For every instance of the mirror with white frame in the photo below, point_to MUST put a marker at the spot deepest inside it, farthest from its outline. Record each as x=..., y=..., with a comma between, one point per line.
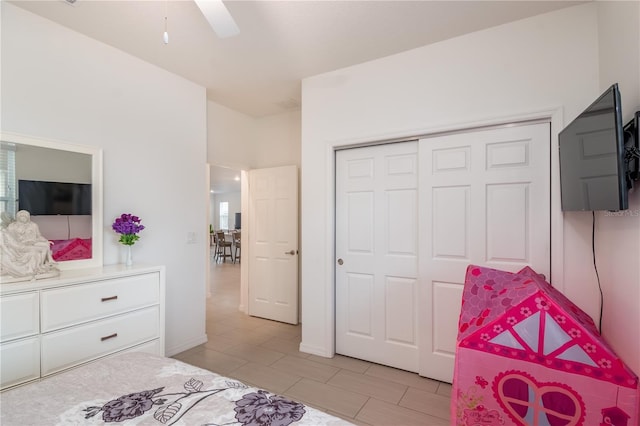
x=31, y=170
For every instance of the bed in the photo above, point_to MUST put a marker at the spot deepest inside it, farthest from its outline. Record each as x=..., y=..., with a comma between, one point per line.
x=70, y=235
x=71, y=249
x=144, y=389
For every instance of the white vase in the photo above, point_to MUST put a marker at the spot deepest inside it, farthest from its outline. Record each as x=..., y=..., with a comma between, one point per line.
x=129, y=261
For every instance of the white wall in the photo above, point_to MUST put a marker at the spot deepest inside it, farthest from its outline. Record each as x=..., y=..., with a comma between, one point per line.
x=278, y=140
x=545, y=63
x=52, y=165
x=61, y=85
x=618, y=235
x=242, y=142
x=230, y=137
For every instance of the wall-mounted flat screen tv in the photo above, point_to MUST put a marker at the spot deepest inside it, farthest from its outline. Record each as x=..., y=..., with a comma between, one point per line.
x=592, y=171
x=54, y=198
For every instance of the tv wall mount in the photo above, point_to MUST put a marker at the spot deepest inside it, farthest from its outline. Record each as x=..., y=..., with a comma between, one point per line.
x=632, y=149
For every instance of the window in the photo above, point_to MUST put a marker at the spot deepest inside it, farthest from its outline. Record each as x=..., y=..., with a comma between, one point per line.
x=8, y=178
x=224, y=215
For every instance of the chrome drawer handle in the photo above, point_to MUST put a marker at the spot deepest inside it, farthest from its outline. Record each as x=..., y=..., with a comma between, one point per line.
x=111, y=336
x=106, y=299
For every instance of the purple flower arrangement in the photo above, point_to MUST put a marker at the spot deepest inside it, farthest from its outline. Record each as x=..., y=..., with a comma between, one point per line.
x=128, y=227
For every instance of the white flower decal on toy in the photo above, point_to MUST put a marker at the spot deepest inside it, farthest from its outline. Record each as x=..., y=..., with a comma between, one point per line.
x=575, y=333
x=525, y=311
x=560, y=319
x=605, y=363
x=542, y=303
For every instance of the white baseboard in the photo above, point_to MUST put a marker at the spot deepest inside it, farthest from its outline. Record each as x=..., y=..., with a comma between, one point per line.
x=186, y=345
x=315, y=350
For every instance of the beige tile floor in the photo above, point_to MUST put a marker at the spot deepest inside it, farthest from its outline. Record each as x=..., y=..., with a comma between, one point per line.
x=265, y=354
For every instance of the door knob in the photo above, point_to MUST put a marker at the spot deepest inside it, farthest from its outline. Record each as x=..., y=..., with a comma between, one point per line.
x=290, y=252
x=340, y=261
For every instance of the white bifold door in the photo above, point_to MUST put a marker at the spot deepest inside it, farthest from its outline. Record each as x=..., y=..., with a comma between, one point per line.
x=485, y=200
x=410, y=217
x=377, y=254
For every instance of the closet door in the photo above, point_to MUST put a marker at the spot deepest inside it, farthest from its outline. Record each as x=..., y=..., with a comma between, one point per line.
x=377, y=254
x=484, y=200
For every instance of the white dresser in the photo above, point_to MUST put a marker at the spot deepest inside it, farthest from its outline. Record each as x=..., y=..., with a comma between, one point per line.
x=47, y=326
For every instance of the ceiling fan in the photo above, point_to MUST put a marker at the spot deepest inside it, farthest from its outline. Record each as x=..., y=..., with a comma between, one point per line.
x=218, y=17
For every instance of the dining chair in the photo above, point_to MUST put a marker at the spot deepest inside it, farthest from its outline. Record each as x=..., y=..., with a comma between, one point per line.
x=223, y=245
x=236, y=245
x=214, y=244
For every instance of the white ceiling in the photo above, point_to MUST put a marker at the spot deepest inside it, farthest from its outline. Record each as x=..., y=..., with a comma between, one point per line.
x=259, y=71
x=223, y=180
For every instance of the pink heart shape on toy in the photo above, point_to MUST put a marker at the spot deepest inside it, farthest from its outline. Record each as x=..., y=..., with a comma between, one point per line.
x=528, y=401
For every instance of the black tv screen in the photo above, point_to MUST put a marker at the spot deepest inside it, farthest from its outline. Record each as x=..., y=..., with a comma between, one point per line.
x=54, y=198
x=592, y=172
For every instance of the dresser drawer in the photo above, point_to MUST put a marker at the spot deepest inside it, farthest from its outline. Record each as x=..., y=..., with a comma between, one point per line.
x=19, y=316
x=67, y=306
x=152, y=347
x=19, y=361
x=75, y=345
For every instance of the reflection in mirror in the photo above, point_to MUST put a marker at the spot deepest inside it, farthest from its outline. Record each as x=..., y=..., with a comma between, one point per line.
x=61, y=187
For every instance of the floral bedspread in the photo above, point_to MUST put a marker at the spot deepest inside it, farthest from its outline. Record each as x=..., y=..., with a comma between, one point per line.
x=143, y=389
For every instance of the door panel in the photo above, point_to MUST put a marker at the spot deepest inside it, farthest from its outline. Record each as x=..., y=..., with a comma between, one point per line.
x=360, y=304
x=451, y=204
x=485, y=200
x=273, y=243
x=507, y=218
x=376, y=222
x=400, y=326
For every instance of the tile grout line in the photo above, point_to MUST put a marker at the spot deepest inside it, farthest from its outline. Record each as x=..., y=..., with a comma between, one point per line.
x=361, y=408
x=262, y=332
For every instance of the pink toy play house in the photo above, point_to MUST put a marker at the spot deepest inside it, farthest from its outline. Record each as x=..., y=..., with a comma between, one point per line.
x=526, y=355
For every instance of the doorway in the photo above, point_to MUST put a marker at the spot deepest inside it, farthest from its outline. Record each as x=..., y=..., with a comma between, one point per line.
x=227, y=189
x=269, y=214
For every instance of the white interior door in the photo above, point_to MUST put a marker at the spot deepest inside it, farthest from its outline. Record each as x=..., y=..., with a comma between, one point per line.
x=273, y=243
x=485, y=200
x=377, y=254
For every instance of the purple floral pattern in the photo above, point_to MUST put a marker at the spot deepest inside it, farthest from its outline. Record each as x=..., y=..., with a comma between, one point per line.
x=254, y=409
x=126, y=407
x=262, y=409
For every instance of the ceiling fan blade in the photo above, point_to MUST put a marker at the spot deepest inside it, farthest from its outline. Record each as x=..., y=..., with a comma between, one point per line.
x=218, y=17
